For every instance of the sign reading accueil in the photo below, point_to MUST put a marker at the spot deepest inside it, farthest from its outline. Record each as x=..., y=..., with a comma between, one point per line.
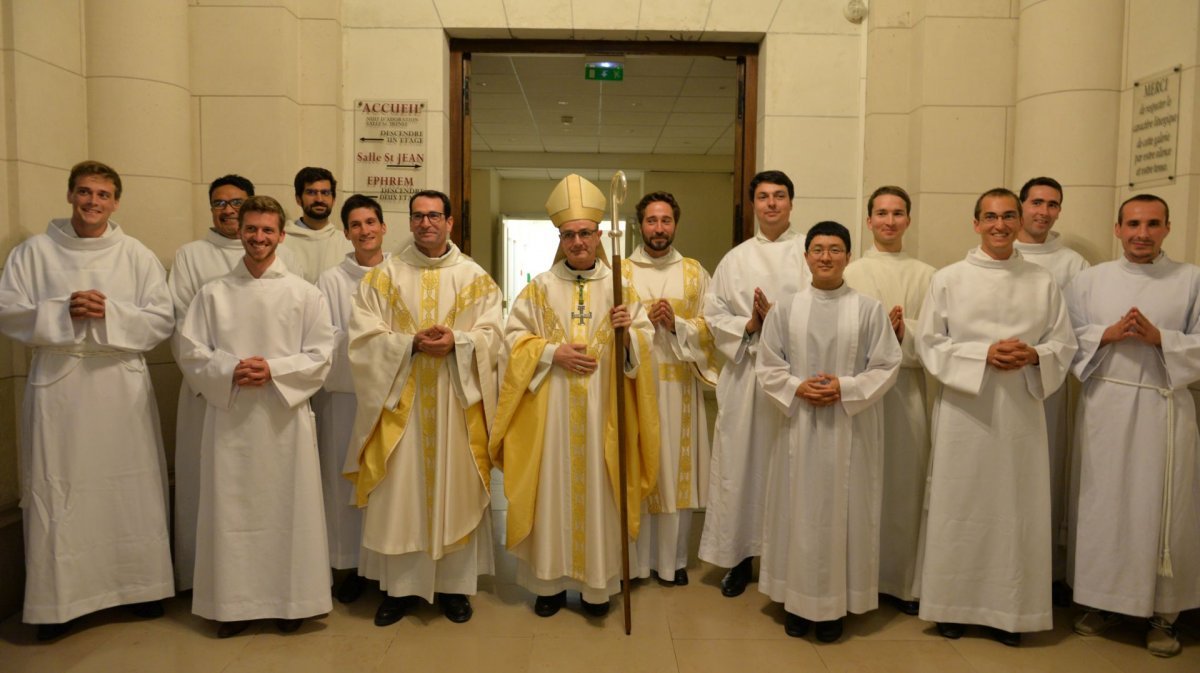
x=389, y=150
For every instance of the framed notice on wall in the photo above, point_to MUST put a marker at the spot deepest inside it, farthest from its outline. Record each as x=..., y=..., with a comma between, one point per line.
x=389, y=150
x=1154, y=142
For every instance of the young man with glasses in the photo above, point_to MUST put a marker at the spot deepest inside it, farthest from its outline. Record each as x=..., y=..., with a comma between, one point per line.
x=424, y=336
x=826, y=358
x=312, y=245
x=994, y=330
x=554, y=434
x=195, y=264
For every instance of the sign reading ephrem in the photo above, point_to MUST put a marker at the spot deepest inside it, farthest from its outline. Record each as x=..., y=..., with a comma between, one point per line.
x=389, y=150
x=1154, y=142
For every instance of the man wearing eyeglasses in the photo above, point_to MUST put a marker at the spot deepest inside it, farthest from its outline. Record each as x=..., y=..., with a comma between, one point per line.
x=995, y=331
x=195, y=264
x=312, y=245
x=750, y=279
x=555, y=431
x=683, y=362
x=424, y=336
x=826, y=358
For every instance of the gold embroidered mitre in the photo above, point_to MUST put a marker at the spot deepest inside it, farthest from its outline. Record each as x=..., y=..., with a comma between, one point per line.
x=575, y=199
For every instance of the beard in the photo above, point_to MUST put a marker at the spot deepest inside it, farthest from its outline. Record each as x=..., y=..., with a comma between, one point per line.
x=316, y=211
x=660, y=244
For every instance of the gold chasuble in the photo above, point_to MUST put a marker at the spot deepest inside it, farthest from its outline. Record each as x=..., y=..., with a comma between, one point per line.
x=555, y=434
x=419, y=444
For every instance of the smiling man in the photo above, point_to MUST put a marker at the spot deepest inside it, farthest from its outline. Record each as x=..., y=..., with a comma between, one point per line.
x=1136, y=524
x=887, y=273
x=683, y=362
x=827, y=356
x=1041, y=204
x=335, y=404
x=554, y=434
x=312, y=245
x=195, y=264
x=424, y=336
x=89, y=301
x=747, y=282
x=256, y=344
x=994, y=330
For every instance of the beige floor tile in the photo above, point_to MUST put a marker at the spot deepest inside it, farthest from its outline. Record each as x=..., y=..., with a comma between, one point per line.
x=308, y=652
x=154, y=649
x=601, y=655
x=888, y=623
x=500, y=611
x=20, y=651
x=720, y=656
x=467, y=653
x=1038, y=653
x=699, y=611
x=859, y=655
x=649, y=617
x=1125, y=647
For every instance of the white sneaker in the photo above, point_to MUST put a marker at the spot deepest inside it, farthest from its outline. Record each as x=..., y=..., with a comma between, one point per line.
x=1162, y=639
x=1095, y=622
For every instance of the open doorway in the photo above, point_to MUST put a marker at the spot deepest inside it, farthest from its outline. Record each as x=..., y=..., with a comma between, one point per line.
x=523, y=115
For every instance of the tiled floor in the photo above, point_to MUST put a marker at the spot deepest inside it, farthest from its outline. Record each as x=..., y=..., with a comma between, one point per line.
x=687, y=629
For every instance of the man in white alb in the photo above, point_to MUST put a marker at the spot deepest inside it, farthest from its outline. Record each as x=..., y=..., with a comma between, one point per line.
x=994, y=330
x=256, y=343
x=900, y=281
x=89, y=301
x=827, y=357
x=1041, y=204
x=313, y=245
x=753, y=276
x=195, y=264
x=335, y=404
x=424, y=338
x=683, y=362
x=1136, y=514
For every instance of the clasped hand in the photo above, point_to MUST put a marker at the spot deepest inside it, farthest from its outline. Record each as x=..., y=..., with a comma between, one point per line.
x=436, y=341
x=87, y=304
x=821, y=390
x=1009, y=354
x=1132, y=325
x=252, y=372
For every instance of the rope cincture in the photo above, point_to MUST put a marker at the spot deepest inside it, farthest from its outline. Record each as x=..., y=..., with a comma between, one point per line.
x=1164, y=526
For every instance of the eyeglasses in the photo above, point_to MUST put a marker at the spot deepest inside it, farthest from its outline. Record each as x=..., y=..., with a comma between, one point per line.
x=433, y=216
x=992, y=218
x=220, y=204
x=318, y=192
x=584, y=235
x=833, y=252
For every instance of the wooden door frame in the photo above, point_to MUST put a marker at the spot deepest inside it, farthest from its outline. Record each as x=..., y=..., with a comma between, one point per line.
x=745, y=125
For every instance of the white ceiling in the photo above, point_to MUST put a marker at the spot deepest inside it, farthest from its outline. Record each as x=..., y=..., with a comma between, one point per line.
x=664, y=105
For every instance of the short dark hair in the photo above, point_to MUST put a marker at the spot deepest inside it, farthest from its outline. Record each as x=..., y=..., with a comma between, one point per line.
x=84, y=169
x=1153, y=198
x=663, y=197
x=1042, y=181
x=996, y=191
x=262, y=204
x=355, y=202
x=891, y=190
x=233, y=181
x=827, y=228
x=431, y=194
x=311, y=174
x=774, y=178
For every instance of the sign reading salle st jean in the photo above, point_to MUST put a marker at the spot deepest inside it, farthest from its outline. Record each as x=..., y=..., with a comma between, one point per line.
x=389, y=150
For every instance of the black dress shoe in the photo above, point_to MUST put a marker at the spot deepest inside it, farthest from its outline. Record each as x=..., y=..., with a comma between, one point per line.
x=52, y=631
x=456, y=607
x=548, y=606
x=391, y=610
x=147, y=610
x=1006, y=637
x=830, y=631
x=1061, y=594
x=951, y=630
x=681, y=578
x=909, y=607
x=288, y=625
x=795, y=625
x=595, y=609
x=351, y=587
x=231, y=629
x=735, y=581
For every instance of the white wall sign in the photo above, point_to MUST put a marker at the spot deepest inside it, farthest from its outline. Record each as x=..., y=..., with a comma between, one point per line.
x=389, y=150
x=1154, y=142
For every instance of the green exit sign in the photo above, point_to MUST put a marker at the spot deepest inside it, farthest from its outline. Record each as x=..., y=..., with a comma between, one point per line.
x=606, y=71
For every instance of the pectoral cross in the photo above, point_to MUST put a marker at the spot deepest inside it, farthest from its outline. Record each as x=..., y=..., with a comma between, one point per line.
x=581, y=313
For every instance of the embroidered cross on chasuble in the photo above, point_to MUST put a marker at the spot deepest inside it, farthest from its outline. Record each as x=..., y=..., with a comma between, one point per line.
x=581, y=313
